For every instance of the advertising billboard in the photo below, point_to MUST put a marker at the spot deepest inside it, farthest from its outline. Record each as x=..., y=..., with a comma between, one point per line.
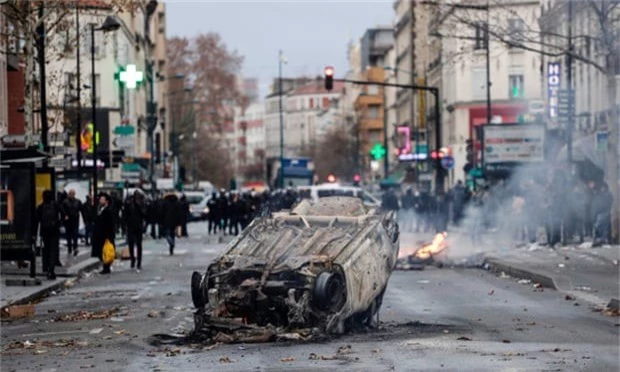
x=514, y=143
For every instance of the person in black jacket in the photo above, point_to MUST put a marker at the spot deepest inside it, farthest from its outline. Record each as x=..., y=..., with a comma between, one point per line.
x=49, y=218
x=104, y=229
x=214, y=214
x=89, y=211
x=184, y=204
x=171, y=218
x=133, y=218
x=72, y=208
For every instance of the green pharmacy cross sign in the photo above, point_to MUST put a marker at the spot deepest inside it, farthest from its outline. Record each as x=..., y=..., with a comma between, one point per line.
x=378, y=151
x=131, y=77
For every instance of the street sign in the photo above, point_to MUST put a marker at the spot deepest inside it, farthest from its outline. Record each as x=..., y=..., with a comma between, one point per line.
x=447, y=162
x=566, y=99
x=124, y=130
x=58, y=162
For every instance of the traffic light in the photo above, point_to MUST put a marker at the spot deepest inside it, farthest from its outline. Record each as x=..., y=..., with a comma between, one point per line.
x=377, y=152
x=329, y=77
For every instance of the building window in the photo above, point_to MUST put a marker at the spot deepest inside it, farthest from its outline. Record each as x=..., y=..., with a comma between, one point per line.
x=516, y=28
x=515, y=83
x=311, y=104
x=373, y=111
x=373, y=90
x=479, y=83
x=325, y=102
x=480, y=36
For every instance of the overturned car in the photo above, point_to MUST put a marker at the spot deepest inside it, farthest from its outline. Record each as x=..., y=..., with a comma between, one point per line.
x=322, y=265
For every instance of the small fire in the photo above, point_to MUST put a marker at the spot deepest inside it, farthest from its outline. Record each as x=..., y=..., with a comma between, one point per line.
x=438, y=244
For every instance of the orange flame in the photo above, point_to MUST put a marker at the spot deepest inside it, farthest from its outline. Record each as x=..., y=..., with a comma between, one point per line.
x=438, y=244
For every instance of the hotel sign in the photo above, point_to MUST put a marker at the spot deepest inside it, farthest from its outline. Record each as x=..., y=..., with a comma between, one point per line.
x=554, y=82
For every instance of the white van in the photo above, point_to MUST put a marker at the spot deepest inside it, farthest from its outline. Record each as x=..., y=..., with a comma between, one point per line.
x=334, y=189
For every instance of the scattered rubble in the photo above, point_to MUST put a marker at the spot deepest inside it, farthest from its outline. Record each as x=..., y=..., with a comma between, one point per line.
x=87, y=315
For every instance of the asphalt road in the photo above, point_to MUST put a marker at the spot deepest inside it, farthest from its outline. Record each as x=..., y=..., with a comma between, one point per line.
x=436, y=319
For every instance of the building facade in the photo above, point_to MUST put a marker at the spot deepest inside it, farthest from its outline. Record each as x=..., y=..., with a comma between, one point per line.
x=458, y=66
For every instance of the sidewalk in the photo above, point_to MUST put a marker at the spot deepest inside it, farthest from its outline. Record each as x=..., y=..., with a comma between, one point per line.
x=582, y=272
x=16, y=286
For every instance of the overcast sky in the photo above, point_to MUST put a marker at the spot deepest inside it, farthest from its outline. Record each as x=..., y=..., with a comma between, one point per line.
x=312, y=33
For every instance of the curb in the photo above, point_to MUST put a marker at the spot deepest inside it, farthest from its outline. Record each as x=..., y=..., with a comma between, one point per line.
x=83, y=267
x=497, y=266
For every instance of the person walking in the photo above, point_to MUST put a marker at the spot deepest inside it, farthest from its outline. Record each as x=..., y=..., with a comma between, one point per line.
x=89, y=212
x=185, y=215
x=214, y=214
x=103, y=229
x=171, y=219
x=601, y=215
x=134, y=217
x=49, y=217
x=72, y=208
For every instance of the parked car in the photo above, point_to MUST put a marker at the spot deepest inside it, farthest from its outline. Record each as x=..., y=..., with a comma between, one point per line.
x=195, y=198
x=200, y=211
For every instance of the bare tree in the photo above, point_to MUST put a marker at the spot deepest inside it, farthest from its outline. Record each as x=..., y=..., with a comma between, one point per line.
x=335, y=152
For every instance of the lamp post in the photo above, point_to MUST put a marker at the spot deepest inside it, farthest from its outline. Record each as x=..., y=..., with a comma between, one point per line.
x=281, y=60
x=173, y=134
x=110, y=24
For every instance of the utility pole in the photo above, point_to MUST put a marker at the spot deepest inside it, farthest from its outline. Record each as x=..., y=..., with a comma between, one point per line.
x=281, y=175
x=487, y=41
x=386, y=158
x=569, y=83
x=78, y=134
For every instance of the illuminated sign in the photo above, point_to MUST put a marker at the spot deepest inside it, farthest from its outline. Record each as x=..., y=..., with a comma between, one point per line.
x=554, y=70
x=404, y=144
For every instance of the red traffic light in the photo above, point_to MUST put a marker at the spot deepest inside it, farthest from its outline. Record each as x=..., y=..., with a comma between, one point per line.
x=437, y=154
x=357, y=178
x=329, y=71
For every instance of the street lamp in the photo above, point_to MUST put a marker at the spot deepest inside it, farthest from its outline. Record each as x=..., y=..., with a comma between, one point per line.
x=281, y=60
x=173, y=134
x=110, y=24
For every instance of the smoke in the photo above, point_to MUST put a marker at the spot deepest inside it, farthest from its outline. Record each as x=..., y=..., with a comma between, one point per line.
x=511, y=212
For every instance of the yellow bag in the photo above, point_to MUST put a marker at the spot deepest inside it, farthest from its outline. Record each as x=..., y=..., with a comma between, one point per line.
x=109, y=252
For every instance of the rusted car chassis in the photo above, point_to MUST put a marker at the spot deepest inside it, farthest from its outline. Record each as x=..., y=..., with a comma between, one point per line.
x=303, y=269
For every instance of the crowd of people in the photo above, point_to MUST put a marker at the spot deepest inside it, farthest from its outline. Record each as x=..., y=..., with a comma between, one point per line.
x=566, y=208
x=165, y=216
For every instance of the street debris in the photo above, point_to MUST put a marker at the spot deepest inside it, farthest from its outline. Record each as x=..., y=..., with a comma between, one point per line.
x=506, y=341
x=491, y=292
x=18, y=312
x=287, y=359
x=153, y=314
x=87, y=315
x=524, y=281
x=225, y=359
x=290, y=275
x=464, y=338
x=569, y=298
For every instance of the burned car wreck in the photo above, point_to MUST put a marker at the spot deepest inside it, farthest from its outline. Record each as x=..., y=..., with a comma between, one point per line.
x=323, y=265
